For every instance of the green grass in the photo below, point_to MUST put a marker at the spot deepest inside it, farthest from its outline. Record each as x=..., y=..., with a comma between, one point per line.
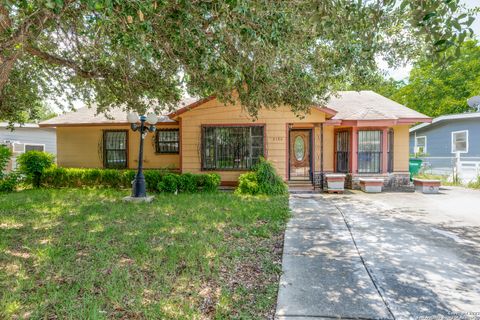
x=84, y=254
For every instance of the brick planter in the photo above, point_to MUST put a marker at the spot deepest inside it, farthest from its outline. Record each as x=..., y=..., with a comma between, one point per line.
x=335, y=182
x=426, y=186
x=371, y=185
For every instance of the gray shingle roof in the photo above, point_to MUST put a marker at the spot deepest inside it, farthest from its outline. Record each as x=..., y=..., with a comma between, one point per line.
x=349, y=105
x=368, y=105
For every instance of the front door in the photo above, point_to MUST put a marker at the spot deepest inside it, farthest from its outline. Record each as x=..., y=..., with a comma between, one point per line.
x=300, y=159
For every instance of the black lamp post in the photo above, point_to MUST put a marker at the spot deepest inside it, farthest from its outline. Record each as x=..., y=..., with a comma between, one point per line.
x=139, y=188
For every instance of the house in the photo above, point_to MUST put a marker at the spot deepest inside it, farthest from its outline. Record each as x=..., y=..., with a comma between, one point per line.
x=359, y=133
x=447, y=135
x=449, y=146
x=26, y=137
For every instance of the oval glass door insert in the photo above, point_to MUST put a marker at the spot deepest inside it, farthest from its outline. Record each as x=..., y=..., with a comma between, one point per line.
x=299, y=148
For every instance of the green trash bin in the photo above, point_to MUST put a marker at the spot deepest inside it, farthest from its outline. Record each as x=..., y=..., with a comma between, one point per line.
x=414, y=166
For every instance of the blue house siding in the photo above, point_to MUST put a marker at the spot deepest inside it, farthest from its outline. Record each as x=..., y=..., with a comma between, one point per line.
x=439, y=137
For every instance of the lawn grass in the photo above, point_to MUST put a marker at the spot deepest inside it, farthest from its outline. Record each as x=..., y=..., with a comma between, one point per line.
x=84, y=254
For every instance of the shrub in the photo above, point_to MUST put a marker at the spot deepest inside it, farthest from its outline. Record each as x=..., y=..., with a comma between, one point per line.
x=8, y=182
x=156, y=180
x=169, y=183
x=152, y=178
x=33, y=164
x=248, y=184
x=188, y=182
x=5, y=155
x=208, y=182
x=263, y=180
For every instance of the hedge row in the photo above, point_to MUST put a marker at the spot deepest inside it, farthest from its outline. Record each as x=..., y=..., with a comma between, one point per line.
x=157, y=180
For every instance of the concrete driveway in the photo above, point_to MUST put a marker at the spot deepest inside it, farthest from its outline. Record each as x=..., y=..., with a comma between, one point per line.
x=382, y=256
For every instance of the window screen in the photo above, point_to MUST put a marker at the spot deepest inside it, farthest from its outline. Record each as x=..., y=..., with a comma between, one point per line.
x=231, y=148
x=115, y=149
x=421, y=144
x=31, y=147
x=369, y=151
x=168, y=141
x=342, y=148
x=460, y=141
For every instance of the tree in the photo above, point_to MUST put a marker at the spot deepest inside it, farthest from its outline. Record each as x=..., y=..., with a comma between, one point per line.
x=139, y=54
x=436, y=90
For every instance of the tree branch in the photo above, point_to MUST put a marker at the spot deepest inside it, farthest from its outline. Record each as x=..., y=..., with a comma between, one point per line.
x=61, y=62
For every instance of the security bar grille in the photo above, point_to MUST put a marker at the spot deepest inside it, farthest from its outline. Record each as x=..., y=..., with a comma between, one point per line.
x=390, y=150
x=168, y=141
x=369, y=151
x=115, y=149
x=343, y=151
x=231, y=148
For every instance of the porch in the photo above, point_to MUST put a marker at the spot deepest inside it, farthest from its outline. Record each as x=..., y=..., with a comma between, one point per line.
x=371, y=151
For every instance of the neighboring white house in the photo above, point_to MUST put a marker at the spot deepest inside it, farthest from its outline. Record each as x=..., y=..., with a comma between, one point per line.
x=26, y=137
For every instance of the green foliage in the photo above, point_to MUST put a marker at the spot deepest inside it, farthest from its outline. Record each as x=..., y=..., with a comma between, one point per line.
x=263, y=180
x=169, y=183
x=5, y=155
x=9, y=182
x=33, y=164
x=435, y=90
x=474, y=184
x=156, y=180
x=248, y=184
x=272, y=53
x=208, y=182
x=189, y=183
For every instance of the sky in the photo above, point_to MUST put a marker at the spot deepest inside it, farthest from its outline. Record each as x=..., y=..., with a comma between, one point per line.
x=403, y=72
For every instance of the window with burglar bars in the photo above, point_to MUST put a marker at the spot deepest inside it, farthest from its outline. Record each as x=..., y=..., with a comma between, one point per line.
x=343, y=151
x=115, y=149
x=231, y=148
x=168, y=141
x=390, y=150
x=369, y=151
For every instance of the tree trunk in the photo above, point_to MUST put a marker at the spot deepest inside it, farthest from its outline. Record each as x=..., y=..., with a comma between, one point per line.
x=6, y=67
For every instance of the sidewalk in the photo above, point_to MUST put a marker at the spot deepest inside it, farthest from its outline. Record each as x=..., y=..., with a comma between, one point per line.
x=323, y=275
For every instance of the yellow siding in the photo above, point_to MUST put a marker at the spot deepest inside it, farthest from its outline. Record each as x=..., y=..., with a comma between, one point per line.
x=400, y=148
x=328, y=148
x=81, y=147
x=214, y=112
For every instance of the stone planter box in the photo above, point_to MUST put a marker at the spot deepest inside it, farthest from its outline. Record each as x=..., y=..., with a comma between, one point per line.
x=371, y=185
x=335, y=182
x=426, y=186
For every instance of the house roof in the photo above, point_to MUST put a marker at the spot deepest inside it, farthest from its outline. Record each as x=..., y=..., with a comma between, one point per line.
x=459, y=116
x=18, y=125
x=368, y=105
x=88, y=116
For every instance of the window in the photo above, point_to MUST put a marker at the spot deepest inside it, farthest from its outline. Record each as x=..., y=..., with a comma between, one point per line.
x=421, y=144
x=115, y=149
x=231, y=148
x=460, y=141
x=342, y=149
x=390, y=150
x=168, y=141
x=34, y=147
x=369, y=151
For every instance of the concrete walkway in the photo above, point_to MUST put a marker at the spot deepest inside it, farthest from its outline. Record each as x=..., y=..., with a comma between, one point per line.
x=382, y=256
x=323, y=274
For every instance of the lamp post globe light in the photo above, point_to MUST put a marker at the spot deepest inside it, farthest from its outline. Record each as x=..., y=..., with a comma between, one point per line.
x=147, y=124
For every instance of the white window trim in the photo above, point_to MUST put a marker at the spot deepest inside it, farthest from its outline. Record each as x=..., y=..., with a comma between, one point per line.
x=452, y=134
x=33, y=144
x=416, y=145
